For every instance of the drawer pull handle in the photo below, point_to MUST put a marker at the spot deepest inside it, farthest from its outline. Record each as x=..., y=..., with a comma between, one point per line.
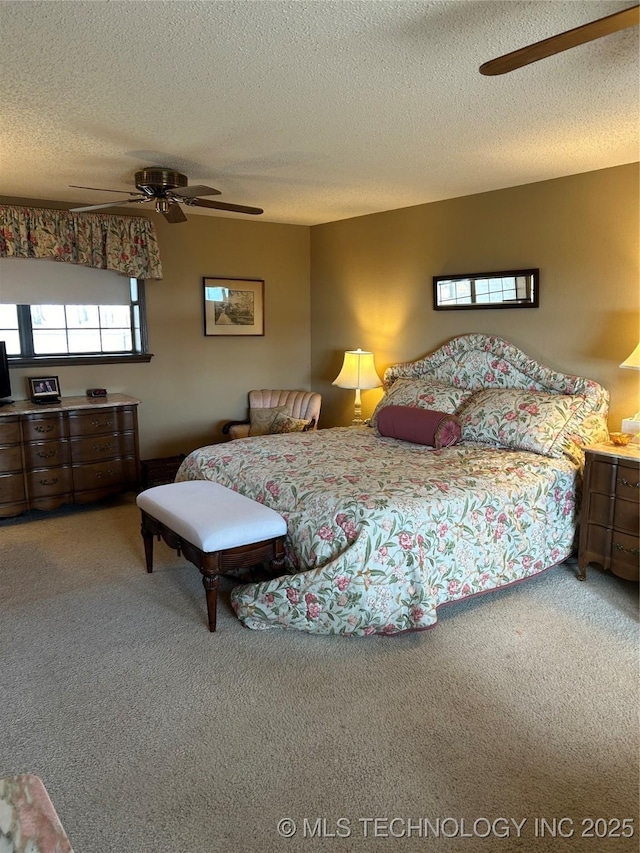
x=634, y=551
x=49, y=482
x=46, y=428
x=625, y=482
x=97, y=423
x=110, y=446
x=46, y=454
x=100, y=474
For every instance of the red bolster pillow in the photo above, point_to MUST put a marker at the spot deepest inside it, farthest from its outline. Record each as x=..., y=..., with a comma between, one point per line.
x=420, y=426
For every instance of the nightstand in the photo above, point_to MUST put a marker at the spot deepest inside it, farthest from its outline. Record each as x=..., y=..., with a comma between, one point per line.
x=610, y=510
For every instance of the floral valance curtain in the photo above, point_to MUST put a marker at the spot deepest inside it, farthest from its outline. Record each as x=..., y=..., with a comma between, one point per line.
x=125, y=244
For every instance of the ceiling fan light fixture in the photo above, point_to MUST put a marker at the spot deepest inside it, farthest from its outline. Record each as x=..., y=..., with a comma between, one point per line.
x=169, y=190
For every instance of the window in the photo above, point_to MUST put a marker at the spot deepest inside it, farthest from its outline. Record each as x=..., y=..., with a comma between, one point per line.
x=109, y=327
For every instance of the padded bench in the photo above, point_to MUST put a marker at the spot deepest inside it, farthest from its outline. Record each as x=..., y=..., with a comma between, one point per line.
x=215, y=528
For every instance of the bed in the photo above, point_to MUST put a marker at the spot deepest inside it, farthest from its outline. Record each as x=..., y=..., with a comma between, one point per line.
x=381, y=531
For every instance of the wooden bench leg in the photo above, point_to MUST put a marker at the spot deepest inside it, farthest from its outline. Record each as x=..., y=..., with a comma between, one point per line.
x=209, y=565
x=277, y=563
x=147, y=535
x=210, y=583
x=213, y=563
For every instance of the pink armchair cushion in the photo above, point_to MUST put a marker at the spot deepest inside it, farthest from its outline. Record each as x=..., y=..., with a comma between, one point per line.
x=300, y=404
x=419, y=426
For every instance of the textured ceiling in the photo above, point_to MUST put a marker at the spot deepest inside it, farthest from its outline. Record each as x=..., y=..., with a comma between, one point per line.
x=315, y=111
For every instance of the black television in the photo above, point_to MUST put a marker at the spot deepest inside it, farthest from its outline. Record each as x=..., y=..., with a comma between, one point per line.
x=5, y=381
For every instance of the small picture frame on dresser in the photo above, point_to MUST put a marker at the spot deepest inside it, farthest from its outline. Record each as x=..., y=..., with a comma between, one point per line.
x=44, y=389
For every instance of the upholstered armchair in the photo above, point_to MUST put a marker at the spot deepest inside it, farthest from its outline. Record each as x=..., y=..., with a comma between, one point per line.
x=276, y=411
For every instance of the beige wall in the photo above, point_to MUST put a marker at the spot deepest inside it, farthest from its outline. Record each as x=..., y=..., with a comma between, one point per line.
x=194, y=383
x=371, y=287
x=371, y=281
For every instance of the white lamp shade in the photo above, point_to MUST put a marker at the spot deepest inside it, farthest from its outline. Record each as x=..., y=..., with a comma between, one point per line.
x=358, y=371
x=633, y=361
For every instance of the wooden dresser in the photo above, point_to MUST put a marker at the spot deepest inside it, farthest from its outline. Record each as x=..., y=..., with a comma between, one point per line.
x=611, y=510
x=75, y=451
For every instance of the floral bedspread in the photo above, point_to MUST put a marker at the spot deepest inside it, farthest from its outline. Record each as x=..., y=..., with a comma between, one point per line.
x=381, y=532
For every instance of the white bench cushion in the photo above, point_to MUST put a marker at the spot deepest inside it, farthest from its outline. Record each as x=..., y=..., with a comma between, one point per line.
x=210, y=516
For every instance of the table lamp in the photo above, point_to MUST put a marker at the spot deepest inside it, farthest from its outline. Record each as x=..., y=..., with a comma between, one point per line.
x=358, y=371
x=632, y=425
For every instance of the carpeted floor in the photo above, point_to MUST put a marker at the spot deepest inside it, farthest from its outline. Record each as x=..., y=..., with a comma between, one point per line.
x=154, y=736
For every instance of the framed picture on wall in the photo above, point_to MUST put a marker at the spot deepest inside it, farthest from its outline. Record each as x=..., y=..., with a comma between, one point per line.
x=233, y=306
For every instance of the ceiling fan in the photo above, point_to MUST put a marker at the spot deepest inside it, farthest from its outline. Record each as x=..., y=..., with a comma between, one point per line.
x=563, y=41
x=169, y=190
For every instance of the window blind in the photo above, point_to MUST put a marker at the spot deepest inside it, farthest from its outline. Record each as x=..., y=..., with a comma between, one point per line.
x=31, y=281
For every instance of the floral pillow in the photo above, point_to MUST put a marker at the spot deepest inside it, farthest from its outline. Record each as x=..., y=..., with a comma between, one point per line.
x=520, y=420
x=284, y=423
x=261, y=419
x=422, y=394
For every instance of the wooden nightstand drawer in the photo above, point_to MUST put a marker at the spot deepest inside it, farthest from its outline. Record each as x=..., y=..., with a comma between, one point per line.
x=626, y=517
x=602, y=477
x=610, y=526
x=628, y=483
x=625, y=556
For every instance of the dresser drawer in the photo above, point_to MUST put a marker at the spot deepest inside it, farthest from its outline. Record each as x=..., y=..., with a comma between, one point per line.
x=12, y=490
x=37, y=427
x=10, y=431
x=116, y=474
x=10, y=458
x=49, y=481
x=101, y=421
x=95, y=448
x=49, y=454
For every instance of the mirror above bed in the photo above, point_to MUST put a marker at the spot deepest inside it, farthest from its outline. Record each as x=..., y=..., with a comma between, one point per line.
x=505, y=289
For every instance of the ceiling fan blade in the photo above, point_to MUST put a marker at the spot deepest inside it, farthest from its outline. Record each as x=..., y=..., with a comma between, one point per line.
x=223, y=205
x=194, y=191
x=109, y=204
x=99, y=190
x=563, y=41
x=174, y=214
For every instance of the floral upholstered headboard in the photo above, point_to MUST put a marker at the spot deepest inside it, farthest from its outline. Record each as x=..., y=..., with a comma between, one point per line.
x=476, y=362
